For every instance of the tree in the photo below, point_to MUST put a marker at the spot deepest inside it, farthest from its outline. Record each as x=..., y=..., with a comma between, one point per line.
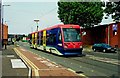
x=114, y=9
x=85, y=14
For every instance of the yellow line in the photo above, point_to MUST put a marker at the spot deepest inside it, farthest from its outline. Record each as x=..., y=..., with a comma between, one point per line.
x=83, y=75
x=37, y=73
x=29, y=62
x=25, y=58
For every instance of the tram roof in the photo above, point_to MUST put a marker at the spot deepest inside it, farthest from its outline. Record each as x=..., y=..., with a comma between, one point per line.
x=59, y=26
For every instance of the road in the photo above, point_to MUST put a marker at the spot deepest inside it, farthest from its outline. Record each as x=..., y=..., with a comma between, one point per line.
x=94, y=64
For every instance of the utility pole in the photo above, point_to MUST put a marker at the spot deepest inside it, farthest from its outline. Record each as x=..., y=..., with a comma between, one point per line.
x=2, y=30
x=108, y=35
x=37, y=20
x=0, y=41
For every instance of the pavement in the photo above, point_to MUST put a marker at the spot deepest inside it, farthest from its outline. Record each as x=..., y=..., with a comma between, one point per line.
x=12, y=65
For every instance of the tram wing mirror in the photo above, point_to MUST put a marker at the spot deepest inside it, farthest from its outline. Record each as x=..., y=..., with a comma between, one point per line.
x=84, y=33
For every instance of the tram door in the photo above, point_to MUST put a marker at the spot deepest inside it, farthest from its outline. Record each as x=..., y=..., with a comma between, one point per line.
x=44, y=39
x=32, y=39
x=36, y=40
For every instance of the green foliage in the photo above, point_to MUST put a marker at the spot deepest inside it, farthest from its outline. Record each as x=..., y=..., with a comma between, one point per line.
x=114, y=9
x=85, y=14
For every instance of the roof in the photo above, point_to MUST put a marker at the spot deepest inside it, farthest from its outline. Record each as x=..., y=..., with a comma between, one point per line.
x=58, y=26
x=99, y=26
x=61, y=26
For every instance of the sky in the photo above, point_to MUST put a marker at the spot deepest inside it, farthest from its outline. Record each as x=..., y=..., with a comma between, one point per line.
x=20, y=15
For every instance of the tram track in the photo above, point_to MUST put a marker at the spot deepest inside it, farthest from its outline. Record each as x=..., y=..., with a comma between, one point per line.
x=105, y=55
x=104, y=69
x=96, y=63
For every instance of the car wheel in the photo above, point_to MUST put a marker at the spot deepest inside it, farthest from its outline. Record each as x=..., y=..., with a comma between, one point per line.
x=104, y=50
x=94, y=50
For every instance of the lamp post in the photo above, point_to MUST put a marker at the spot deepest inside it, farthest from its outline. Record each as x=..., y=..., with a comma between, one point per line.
x=2, y=30
x=0, y=27
x=37, y=20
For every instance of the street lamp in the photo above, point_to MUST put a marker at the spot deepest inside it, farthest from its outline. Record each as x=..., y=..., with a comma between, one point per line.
x=37, y=20
x=3, y=12
x=2, y=7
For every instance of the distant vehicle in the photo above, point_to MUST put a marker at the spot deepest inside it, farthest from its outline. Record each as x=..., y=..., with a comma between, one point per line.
x=103, y=47
x=10, y=42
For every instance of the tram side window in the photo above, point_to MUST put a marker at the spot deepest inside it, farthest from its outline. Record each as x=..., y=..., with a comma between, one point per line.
x=38, y=38
x=60, y=38
x=52, y=38
x=41, y=40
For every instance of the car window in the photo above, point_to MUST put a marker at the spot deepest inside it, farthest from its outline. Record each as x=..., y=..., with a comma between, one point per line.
x=106, y=45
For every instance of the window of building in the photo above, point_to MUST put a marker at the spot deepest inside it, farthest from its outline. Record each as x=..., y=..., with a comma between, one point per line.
x=114, y=28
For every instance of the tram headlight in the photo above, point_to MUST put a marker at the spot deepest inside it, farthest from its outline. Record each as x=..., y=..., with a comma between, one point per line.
x=81, y=47
x=65, y=46
x=60, y=44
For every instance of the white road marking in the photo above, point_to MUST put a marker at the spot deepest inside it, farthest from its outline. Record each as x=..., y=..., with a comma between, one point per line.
x=80, y=66
x=10, y=56
x=107, y=60
x=92, y=70
x=23, y=49
x=48, y=63
x=37, y=58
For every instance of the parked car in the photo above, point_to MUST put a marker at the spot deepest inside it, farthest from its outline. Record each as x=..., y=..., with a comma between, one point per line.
x=103, y=47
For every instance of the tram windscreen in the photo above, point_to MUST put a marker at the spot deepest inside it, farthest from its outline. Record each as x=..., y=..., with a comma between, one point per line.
x=71, y=35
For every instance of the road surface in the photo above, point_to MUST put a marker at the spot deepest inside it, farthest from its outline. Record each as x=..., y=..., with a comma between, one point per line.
x=94, y=64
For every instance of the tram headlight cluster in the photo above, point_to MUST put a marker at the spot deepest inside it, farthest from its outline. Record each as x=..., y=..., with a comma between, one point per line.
x=60, y=44
x=81, y=47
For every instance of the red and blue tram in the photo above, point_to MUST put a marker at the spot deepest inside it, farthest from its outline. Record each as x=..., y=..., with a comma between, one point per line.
x=59, y=39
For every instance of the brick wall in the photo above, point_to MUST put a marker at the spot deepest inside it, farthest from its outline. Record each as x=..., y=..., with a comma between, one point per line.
x=94, y=35
x=87, y=39
x=114, y=40
x=5, y=32
x=119, y=35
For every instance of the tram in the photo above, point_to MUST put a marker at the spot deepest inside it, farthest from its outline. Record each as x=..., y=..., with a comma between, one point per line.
x=59, y=39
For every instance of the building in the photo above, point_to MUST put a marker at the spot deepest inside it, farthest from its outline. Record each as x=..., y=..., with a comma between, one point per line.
x=5, y=31
x=109, y=34
x=5, y=34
